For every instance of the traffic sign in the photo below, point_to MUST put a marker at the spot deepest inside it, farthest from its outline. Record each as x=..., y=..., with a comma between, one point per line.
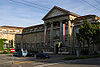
x=12, y=50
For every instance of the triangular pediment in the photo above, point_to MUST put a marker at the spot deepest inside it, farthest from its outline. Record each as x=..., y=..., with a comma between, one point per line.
x=55, y=11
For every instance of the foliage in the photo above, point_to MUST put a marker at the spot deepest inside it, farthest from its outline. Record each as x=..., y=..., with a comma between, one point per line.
x=6, y=52
x=81, y=57
x=88, y=34
x=96, y=38
x=2, y=41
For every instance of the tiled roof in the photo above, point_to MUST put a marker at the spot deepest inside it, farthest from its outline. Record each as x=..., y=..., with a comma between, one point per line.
x=13, y=27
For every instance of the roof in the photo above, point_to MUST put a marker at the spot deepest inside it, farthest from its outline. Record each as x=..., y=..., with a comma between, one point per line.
x=64, y=10
x=13, y=27
x=33, y=26
x=84, y=17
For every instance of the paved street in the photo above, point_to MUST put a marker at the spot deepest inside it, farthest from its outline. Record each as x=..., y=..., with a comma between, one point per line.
x=54, y=61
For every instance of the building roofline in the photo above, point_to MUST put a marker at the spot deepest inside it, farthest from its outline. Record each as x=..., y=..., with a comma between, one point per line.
x=34, y=26
x=12, y=27
x=84, y=17
x=66, y=11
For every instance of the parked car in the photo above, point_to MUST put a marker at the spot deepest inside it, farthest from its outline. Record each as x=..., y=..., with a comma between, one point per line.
x=18, y=54
x=30, y=54
x=42, y=55
x=15, y=54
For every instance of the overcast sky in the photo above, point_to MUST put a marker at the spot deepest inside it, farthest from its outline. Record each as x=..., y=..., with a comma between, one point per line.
x=24, y=15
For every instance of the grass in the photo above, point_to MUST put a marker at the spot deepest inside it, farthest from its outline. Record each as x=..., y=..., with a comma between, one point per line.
x=81, y=57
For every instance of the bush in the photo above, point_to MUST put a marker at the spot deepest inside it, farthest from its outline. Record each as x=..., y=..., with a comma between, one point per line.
x=81, y=57
x=5, y=52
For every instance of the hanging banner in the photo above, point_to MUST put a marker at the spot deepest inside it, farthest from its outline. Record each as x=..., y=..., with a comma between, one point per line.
x=45, y=34
x=64, y=33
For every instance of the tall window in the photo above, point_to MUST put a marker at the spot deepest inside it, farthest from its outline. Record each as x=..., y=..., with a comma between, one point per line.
x=66, y=31
x=66, y=43
x=57, y=32
x=48, y=34
x=5, y=46
x=11, y=43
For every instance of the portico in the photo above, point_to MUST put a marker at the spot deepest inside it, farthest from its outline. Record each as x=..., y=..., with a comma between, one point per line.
x=58, y=27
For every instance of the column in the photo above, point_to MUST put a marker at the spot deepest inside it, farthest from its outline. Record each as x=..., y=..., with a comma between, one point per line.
x=45, y=33
x=61, y=32
x=69, y=33
x=51, y=35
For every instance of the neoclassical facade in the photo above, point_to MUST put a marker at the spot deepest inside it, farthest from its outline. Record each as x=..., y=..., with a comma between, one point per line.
x=59, y=26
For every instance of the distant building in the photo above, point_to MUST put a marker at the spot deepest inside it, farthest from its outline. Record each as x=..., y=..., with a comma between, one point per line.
x=8, y=32
x=60, y=26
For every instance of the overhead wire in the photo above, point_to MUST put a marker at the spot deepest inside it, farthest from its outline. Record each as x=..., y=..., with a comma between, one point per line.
x=26, y=4
x=35, y=4
x=90, y=4
x=97, y=1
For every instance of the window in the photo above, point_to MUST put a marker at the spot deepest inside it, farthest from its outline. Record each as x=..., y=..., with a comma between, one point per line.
x=17, y=30
x=5, y=46
x=4, y=30
x=10, y=30
x=66, y=43
x=67, y=31
x=77, y=30
x=81, y=20
x=48, y=33
x=90, y=19
x=57, y=33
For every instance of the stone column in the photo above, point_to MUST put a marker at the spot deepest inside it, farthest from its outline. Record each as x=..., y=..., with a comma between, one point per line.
x=45, y=30
x=69, y=32
x=61, y=32
x=51, y=35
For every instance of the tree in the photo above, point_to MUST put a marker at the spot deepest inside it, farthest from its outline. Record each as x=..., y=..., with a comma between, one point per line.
x=2, y=41
x=87, y=35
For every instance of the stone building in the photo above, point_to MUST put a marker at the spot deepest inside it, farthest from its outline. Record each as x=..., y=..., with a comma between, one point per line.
x=59, y=26
x=32, y=38
x=8, y=32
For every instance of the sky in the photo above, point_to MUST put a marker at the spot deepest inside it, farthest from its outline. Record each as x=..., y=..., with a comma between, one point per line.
x=23, y=14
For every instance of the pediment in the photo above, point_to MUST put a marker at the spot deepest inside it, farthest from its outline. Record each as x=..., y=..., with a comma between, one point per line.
x=55, y=12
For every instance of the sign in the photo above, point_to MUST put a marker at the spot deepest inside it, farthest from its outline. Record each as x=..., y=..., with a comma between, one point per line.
x=12, y=50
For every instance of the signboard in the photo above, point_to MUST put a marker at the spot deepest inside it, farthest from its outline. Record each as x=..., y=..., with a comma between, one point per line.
x=12, y=50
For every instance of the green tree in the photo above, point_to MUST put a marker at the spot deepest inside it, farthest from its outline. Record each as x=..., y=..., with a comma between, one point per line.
x=2, y=41
x=87, y=35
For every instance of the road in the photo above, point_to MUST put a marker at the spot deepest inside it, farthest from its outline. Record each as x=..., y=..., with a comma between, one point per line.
x=54, y=61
